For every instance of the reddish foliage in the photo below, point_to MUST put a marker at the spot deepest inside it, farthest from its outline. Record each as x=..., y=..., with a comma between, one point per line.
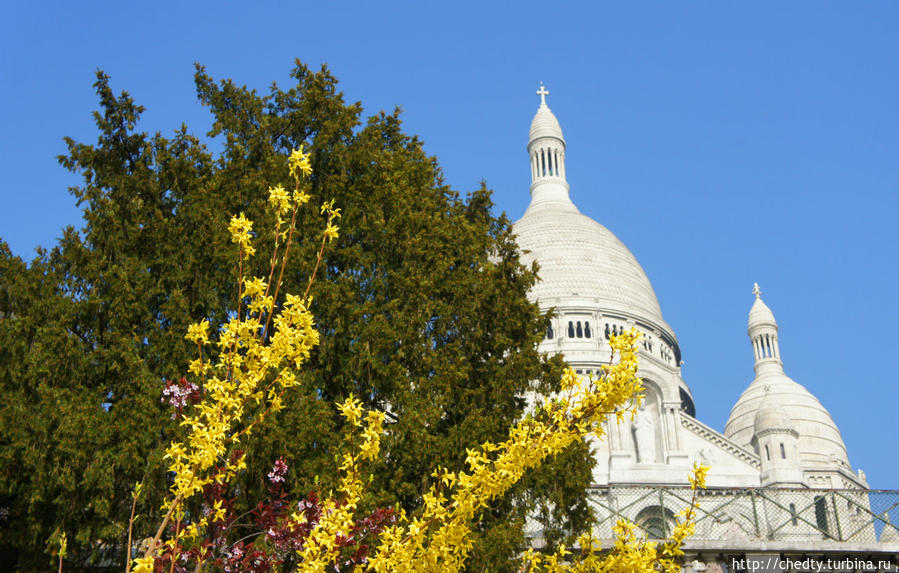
x=180, y=395
x=271, y=540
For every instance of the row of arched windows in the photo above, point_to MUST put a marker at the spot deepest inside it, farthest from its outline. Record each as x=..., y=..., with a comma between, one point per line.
x=765, y=346
x=578, y=331
x=588, y=371
x=665, y=353
x=582, y=329
x=575, y=330
x=547, y=162
x=613, y=330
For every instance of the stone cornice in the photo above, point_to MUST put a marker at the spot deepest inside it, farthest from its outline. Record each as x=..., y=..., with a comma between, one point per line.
x=716, y=438
x=767, y=431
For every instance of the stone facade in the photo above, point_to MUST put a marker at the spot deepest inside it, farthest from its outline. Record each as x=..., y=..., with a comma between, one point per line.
x=779, y=439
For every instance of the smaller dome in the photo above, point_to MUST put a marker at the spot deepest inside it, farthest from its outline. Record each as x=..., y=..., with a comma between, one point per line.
x=771, y=416
x=820, y=442
x=760, y=314
x=545, y=124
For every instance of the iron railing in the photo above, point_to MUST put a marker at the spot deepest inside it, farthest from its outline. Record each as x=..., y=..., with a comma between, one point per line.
x=740, y=517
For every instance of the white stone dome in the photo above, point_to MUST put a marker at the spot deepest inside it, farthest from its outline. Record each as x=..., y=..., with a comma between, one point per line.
x=545, y=124
x=772, y=416
x=760, y=314
x=579, y=258
x=820, y=442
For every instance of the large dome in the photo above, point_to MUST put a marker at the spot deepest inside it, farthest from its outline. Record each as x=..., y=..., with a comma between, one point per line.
x=579, y=258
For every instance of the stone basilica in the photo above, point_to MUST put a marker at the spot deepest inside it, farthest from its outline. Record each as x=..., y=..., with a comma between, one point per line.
x=781, y=479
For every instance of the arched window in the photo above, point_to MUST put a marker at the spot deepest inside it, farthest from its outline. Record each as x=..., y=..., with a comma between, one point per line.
x=821, y=514
x=570, y=329
x=608, y=332
x=656, y=521
x=580, y=331
x=549, y=332
x=793, y=519
x=587, y=330
x=767, y=452
x=783, y=452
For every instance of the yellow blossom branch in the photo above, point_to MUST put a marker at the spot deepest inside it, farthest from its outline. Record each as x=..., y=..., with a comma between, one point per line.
x=250, y=356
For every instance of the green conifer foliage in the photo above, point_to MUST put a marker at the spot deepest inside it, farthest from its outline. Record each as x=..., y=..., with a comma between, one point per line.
x=421, y=304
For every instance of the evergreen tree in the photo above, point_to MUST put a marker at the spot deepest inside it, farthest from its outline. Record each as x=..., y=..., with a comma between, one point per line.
x=421, y=304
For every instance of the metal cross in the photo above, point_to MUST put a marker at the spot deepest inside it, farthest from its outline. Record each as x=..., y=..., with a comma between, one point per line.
x=542, y=92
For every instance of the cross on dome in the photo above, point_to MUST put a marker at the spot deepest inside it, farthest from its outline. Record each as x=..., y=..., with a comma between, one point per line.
x=542, y=92
x=756, y=290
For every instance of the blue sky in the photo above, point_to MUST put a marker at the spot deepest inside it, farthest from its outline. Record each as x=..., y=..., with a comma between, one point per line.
x=723, y=143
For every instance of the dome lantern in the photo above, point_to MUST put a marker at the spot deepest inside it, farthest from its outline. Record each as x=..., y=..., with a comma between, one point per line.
x=763, y=335
x=546, y=149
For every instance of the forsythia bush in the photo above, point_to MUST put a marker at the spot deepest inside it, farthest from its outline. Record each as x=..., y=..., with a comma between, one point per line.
x=262, y=347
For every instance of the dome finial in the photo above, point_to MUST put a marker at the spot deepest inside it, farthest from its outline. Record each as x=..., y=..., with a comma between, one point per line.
x=542, y=92
x=756, y=290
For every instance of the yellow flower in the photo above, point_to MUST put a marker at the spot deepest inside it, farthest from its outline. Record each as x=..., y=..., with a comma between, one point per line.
x=279, y=199
x=198, y=333
x=254, y=287
x=240, y=228
x=197, y=368
x=328, y=207
x=219, y=511
x=143, y=565
x=697, y=480
x=351, y=409
x=298, y=162
x=331, y=232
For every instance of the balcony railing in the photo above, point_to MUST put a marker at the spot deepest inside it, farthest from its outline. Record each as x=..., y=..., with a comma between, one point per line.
x=752, y=518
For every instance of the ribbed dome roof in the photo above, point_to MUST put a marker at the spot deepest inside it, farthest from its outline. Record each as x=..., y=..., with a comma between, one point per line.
x=772, y=416
x=580, y=258
x=819, y=437
x=545, y=124
x=760, y=314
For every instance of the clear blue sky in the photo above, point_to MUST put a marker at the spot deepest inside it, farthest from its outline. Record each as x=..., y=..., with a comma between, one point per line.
x=724, y=143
